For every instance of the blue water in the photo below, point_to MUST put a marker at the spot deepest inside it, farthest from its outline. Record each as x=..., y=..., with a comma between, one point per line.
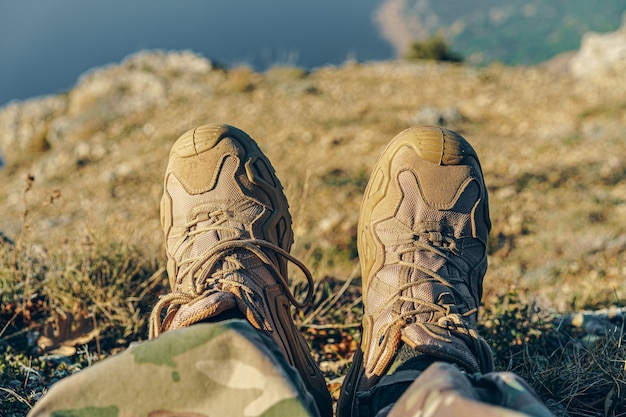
x=46, y=44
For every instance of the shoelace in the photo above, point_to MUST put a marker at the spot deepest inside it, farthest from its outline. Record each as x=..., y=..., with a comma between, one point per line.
x=205, y=283
x=448, y=319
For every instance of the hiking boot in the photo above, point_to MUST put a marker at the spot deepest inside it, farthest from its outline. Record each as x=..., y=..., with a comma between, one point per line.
x=228, y=233
x=422, y=238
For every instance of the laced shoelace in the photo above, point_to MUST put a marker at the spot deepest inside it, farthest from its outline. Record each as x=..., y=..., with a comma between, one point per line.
x=448, y=319
x=201, y=268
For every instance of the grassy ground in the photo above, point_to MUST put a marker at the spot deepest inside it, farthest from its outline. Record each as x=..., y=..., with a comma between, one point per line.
x=63, y=312
x=81, y=260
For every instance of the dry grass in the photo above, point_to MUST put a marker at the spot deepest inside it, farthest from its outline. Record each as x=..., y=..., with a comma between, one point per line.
x=65, y=308
x=79, y=273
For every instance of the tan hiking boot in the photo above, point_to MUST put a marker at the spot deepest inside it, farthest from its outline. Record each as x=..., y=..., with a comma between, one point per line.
x=422, y=239
x=228, y=233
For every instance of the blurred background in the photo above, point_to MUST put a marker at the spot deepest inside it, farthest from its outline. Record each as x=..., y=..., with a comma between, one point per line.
x=45, y=45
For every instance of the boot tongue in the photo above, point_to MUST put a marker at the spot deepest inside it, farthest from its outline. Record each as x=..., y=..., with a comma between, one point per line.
x=242, y=278
x=205, y=309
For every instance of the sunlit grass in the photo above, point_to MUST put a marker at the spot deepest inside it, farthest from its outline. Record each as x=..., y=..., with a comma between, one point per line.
x=80, y=268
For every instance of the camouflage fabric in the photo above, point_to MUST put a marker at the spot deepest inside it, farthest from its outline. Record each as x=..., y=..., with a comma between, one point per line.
x=209, y=369
x=443, y=390
x=231, y=369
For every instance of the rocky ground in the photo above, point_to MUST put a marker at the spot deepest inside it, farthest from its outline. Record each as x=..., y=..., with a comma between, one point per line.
x=551, y=141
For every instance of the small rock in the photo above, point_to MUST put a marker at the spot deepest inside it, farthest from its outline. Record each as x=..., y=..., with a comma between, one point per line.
x=430, y=115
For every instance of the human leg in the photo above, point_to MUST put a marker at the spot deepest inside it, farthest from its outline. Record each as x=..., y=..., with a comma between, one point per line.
x=422, y=239
x=444, y=390
x=227, y=231
x=226, y=368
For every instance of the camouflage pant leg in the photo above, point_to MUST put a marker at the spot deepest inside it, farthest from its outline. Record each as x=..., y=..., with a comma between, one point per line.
x=210, y=369
x=443, y=390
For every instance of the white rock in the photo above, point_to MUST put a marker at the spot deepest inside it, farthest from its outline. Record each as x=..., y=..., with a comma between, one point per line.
x=601, y=54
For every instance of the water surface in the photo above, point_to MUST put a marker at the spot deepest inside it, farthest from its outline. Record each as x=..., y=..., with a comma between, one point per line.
x=45, y=45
